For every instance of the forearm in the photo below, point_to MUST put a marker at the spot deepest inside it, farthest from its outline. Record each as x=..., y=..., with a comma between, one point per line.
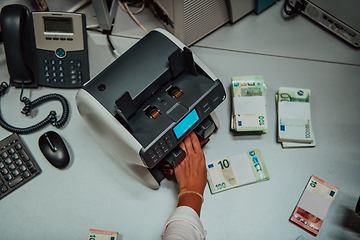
x=191, y=200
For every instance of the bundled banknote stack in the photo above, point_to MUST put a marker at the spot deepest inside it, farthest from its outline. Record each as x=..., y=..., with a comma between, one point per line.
x=249, y=104
x=236, y=171
x=294, y=118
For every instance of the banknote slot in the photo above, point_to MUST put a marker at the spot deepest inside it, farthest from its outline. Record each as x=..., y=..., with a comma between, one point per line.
x=152, y=112
x=174, y=92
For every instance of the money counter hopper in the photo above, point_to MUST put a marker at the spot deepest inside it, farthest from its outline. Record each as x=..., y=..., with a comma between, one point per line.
x=145, y=103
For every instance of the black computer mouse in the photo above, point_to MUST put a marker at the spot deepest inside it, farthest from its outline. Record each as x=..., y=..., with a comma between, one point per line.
x=54, y=149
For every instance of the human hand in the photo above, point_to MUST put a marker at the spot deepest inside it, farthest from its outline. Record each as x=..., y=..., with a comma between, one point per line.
x=191, y=173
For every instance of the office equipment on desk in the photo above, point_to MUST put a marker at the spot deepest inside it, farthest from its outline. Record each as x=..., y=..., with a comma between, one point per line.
x=17, y=165
x=191, y=20
x=147, y=101
x=262, y=5
x=45, y=48
x=339, y=17
x=240, y=8
x=105, y=11
x=54, y=149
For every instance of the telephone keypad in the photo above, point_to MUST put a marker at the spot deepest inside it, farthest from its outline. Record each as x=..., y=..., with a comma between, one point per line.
x=55, y=71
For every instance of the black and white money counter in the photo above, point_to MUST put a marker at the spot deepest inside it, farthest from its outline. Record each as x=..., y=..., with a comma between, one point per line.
x=144, y=104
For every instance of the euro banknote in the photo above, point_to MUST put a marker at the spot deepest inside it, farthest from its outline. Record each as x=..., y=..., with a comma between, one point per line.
x=95, y=234
x=313, y=205
x=294, y=115
x=300, y=145
x=249, y=104
x=238, y=170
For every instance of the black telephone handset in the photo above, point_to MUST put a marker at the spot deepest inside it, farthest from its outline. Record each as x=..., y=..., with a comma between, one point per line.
x=18, y=37
x=45, y=48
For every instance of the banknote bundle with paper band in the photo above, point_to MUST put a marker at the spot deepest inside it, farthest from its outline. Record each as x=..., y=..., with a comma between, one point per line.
x=235, y=171
x=294, y=118
x=313, y=205
x=95, y=234
x=249, y=104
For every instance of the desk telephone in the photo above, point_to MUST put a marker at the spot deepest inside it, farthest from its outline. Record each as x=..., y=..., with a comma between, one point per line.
x=45, y=48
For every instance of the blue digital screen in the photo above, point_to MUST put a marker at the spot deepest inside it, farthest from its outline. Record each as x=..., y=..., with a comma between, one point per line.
x=186, y=124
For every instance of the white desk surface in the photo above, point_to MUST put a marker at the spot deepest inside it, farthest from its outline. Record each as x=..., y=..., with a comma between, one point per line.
x=97, y=192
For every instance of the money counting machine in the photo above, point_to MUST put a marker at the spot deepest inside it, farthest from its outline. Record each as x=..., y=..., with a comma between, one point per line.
x=145, y=103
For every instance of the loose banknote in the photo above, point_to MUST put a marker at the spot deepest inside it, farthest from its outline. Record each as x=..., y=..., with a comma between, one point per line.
x=294, y=117
x=249, y=104
x=314, y=205
x=95, y=234
x=235, y=171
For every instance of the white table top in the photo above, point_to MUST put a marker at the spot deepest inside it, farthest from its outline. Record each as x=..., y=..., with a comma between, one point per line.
x=97, y=192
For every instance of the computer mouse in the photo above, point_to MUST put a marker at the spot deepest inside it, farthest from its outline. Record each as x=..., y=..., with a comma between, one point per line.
x=54, y=149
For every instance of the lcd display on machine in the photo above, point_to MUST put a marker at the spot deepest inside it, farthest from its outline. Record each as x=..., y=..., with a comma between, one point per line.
x=186, y=124
x=58, y=25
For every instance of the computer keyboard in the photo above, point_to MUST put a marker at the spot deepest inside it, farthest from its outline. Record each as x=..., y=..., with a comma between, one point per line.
x=17, y=165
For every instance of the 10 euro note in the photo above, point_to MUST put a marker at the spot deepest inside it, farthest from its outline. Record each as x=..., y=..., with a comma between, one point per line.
x=294, y=115
x=313, y=205
x=235, y=171
x=249, y=104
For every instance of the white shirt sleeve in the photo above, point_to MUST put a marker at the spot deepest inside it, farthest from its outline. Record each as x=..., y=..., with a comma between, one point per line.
x=184, y=223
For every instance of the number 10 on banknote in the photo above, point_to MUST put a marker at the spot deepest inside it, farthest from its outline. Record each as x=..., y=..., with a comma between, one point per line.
x=237, y=170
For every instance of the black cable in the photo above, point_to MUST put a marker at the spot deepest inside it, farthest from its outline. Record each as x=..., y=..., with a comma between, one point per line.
x=291, y=11
x=30, y=105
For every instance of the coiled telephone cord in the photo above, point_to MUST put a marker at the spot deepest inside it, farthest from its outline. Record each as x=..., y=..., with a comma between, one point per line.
x=30, y=105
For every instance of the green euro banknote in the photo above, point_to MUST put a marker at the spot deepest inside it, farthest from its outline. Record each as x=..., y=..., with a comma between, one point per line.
x=249, y=104
x=300, y=145
x=294, y=115
x=238, y=170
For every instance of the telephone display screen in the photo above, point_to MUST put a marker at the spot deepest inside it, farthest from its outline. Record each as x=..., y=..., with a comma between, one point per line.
x=182, y=127
x=58, y=25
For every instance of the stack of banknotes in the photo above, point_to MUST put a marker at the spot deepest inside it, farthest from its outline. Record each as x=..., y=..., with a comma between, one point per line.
x=294, y=118
x=249, y=104
x=235, y=171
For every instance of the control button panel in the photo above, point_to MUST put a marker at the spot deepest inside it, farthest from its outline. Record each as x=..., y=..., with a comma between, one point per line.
x=62, y=73
x=160, y=149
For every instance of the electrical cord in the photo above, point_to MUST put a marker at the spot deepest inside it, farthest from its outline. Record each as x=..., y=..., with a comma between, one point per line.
x=291, y=11
x=125, y=7
x=30, y=105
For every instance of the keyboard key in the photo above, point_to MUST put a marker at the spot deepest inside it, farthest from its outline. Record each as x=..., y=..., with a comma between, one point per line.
x=11, y=151
x=3, y=189
x=24, y=156
x=18, y=162
x=4, y=155
x=15, y=181
x=1, y=165
x=22, y=168
x=15, y=157
x=26, y=174
x=15, y=173
x=4, y=171
x=7, y=161
x=8, y=177
x=11, y=167
x=31, y=167
x=18, y=146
